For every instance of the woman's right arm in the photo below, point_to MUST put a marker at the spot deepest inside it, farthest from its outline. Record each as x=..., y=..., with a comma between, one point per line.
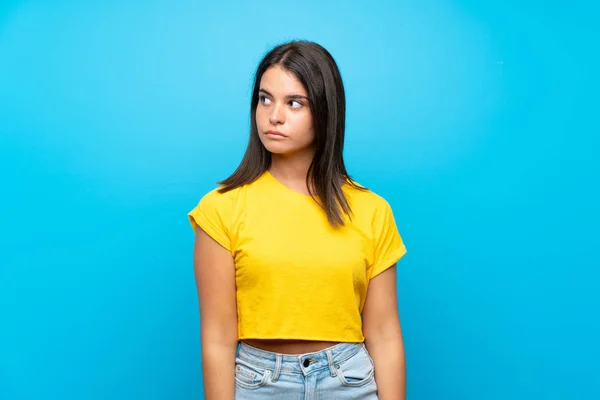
x=214, y=271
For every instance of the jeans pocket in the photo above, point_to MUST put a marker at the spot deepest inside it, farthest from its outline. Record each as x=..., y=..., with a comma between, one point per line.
x=358, y=370
x=250, y=377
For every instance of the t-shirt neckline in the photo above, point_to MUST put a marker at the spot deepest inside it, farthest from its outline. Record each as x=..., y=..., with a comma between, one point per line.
x=283, y=186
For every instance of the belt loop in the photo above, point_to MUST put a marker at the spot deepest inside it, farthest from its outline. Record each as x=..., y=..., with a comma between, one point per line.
x=330, y=360
x=278, y=361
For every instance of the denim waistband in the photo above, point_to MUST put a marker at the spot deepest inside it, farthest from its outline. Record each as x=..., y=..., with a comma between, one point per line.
x=299, y=363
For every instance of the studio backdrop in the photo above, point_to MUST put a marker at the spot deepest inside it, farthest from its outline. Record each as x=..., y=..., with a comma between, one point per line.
x=477, y=121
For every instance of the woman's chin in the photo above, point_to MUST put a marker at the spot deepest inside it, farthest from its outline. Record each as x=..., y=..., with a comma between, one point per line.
x=274, y=148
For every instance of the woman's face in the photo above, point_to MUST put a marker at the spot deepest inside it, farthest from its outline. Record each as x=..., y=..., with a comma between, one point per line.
x=283, y=117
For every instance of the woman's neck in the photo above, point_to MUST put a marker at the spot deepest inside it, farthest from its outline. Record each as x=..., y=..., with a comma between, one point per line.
x=291, y=171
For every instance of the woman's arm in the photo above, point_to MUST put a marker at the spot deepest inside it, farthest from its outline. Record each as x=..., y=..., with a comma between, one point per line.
x=214, y=271
x=383, y=336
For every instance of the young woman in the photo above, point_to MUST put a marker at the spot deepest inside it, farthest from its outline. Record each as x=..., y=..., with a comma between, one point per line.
x=294, y=261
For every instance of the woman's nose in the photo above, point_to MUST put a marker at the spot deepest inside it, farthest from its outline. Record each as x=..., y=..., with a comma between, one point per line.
x=276, y=116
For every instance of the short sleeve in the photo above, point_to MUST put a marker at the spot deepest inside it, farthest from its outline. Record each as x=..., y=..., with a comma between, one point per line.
x=214, y=214
x=388, y=246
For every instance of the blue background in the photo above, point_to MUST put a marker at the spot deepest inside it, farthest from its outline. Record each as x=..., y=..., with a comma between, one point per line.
x=478, y=121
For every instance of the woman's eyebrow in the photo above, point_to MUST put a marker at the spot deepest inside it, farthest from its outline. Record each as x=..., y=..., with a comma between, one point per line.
x=291, y=96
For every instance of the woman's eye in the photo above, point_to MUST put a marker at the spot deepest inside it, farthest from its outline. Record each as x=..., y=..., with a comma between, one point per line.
x=264, y=100
x=295, y=104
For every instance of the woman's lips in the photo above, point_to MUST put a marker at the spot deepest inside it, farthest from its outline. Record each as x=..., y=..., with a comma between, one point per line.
x=275, y=135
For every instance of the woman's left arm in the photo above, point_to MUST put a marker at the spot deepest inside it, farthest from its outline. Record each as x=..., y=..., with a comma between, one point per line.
x=383, y=335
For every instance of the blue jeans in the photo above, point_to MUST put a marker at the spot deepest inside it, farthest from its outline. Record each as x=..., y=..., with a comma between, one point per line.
x=341, y=372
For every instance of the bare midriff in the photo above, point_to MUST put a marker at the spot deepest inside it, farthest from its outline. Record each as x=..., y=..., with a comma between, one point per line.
x=289, y=346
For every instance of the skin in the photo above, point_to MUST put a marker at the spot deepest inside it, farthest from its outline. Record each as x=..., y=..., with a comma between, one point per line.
x=283, y=106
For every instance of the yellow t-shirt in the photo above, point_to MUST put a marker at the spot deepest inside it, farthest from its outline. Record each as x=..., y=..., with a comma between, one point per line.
x=297, y=277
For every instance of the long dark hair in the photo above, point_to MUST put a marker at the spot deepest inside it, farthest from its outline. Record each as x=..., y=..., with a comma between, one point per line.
x=317, y=70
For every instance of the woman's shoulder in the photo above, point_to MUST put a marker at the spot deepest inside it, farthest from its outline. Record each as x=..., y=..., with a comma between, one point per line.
x=362, y=196
x=237, y=193
x=219, y=194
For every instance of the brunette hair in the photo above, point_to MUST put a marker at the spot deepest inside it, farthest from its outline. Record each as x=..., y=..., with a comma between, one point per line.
x=316, y=69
